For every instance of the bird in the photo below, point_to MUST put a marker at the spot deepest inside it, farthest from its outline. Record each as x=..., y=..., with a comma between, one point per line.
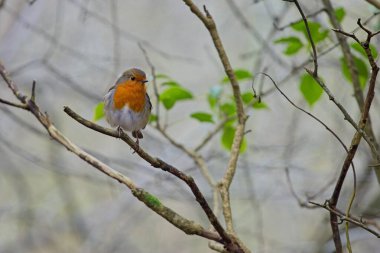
x=127, y=105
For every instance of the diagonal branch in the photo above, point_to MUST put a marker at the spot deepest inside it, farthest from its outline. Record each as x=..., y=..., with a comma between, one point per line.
x=358, y=93
x=225, y=183
x=187, y=226
x=375, y=3
x=354, y=220
x=21, y=106
x=364, y=118
x=315, y=57
x=157, y=163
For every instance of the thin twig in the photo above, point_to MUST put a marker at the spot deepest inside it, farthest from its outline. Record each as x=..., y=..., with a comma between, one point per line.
x=315, y=57
x=255, y=33
x=375, y=3
x=343, y=110
x=356, y=138
x=157, y=163
x=302, y=65
x=209, y=23
x=187, y=226
x=22, y=106
x=354, y=220
x=197, y=158
x=306, y=112
x=301, y=202
x=281, y=28
x=155, y=85
x=212, y=133
x=349, y=59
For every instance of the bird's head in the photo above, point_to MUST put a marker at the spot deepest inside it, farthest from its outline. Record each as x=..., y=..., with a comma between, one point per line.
x=133, y=76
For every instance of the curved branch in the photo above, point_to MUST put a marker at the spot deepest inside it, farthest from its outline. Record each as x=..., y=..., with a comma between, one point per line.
x=225, y=183
x=158, y=163
x=187, y=226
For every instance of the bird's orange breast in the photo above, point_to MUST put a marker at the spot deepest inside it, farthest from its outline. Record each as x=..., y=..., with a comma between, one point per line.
x=131, y=94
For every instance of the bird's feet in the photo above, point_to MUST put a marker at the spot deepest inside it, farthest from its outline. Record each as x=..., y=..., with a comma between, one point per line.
x=120, y=131
x=138, y=135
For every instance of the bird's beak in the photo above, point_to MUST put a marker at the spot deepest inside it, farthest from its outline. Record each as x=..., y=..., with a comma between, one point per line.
x=145, y=81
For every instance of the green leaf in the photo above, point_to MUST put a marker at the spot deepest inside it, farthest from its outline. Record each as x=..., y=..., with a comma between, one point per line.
x=260, y=105
x=174, y=94
x=247, y=97
x=228, y=137
x=170, y=83
x=316, y=31
x=362, y=71
x=241, y=74
x=153, y=118
x=340, y=13
x=357, y=47
x=214, y=95
x=294, y=44
x=228, y=109
x=98, y=111
x=162, y=76
x=202, y=117
x=310, y=89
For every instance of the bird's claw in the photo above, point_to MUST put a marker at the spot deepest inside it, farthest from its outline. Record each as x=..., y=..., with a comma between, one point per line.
x=120, y=131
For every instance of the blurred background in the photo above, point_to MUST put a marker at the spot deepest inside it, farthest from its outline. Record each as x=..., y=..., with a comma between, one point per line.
x=51, y=201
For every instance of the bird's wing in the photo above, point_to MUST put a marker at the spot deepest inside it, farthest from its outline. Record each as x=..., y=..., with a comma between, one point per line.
x=112, y=87
x=150, y=103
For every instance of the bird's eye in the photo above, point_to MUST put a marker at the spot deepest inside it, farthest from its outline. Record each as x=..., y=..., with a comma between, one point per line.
x=133, y=78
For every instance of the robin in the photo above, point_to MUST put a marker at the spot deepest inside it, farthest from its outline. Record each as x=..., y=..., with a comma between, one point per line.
x=127, y=106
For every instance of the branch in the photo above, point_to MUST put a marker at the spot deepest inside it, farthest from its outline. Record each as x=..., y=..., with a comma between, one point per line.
x=306, y=112
x=193, y=154
x=22, y=106
x=281, y=28
x=354, y=220
x=315, y=57
x=225, y=183
x=187, y=226
x=357, y=137
x=255, y=33
x=358, y=93
x=306, y=62
x=375, y=3
x=210, y=25
x=154, y=81
x=344, y=112
x=156, y=163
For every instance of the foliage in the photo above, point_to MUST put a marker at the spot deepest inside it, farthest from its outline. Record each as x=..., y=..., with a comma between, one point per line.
x=220, y=105
x=202, y=117
x=310, y=89
x=294, y=44
x=98, y=111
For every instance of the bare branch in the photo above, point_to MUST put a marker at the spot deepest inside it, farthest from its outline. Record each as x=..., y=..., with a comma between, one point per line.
x=155, y=85
x=209, y=23
x=375, y=3
x=354, y=220
x=187, y=226
x=22, y=106
x=348, y=57
x=228, y=241
x=255, y=33
x=315, y=57
x=364, y=118
x=281, y=28
x=306, y=112
x=344, y=111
